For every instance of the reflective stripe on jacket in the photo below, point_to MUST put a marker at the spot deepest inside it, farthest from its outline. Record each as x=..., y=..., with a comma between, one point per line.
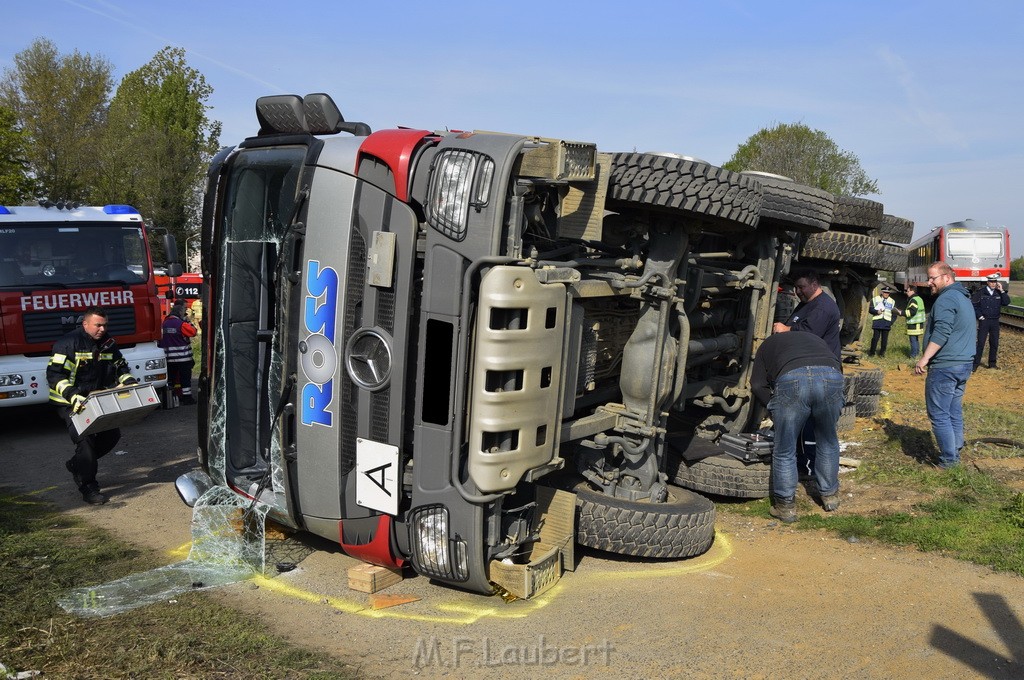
x=176, y=340
x=886, y=306
x=915, y=316
x=79, y=365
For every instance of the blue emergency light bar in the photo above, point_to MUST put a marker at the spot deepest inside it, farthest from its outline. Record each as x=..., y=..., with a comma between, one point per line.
x=120, y=210
x=4, y=210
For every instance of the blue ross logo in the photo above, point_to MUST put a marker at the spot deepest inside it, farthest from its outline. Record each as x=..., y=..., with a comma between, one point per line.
x=318, y=355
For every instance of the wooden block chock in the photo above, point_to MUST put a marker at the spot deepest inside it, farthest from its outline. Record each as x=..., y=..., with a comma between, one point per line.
x=369, y=578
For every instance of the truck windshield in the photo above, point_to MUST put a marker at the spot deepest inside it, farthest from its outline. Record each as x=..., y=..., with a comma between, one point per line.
x=71, y=254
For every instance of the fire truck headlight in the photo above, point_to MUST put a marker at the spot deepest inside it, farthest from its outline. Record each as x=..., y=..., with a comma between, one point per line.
x=459, y=180
x=154, y=364
x=435, y=552
x=9, y=379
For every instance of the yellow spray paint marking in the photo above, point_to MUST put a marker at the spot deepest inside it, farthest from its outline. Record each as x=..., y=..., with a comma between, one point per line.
x=720, y=551
x=466, y=613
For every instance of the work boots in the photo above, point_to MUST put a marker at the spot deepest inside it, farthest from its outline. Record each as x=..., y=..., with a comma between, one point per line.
x=70, y=465
x=830, y=502
x=783, y=509
x=91, y=494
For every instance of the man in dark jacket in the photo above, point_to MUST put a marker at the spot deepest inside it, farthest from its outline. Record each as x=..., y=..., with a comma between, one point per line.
x=987, y=302
x=84, y=360
x=799, y=378
x=819, y=314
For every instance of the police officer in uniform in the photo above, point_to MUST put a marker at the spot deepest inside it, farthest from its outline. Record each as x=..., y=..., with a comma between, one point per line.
x=987, y=302
x=883, y=307
x=84, y=360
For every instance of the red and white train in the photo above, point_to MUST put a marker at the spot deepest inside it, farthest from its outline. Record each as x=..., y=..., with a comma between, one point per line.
x=972, y=249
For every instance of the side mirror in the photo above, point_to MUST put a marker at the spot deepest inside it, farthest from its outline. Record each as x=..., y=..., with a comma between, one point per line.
x=171, y=249
x=174, y=270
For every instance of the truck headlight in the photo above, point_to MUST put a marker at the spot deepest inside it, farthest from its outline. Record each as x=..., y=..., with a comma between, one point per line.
x=9, y=379
x=434, y=552
x=155, y=364
x=459, y=179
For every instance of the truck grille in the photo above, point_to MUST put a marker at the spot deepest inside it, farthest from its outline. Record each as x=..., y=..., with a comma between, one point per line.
x=47, y=327
x=353, y=308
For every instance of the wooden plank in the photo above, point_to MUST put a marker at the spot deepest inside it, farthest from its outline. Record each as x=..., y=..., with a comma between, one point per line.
x=369, y=578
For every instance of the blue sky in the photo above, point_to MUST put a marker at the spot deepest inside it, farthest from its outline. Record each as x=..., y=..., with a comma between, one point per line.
x=929, y=95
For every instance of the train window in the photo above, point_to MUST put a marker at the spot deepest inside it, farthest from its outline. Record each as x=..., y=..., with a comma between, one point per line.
x=976, y=245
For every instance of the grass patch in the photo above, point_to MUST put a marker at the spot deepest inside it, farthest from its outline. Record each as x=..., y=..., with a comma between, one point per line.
x=44, y=553
x=972, y=517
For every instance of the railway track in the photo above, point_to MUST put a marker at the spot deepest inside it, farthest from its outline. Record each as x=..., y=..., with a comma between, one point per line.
x=1012, y=316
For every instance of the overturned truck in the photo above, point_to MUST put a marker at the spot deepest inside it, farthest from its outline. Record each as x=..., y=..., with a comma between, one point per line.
x=466, y=351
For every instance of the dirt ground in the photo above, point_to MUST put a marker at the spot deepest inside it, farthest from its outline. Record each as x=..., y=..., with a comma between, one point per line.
x=766, y=601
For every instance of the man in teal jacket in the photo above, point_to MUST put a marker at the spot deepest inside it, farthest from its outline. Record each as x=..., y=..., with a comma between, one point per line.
x=949, y=357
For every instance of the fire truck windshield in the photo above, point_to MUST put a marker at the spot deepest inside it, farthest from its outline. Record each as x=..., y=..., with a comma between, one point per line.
x=38, y=256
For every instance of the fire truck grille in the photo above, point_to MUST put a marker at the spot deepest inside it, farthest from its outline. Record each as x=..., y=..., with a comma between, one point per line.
x=47, y=327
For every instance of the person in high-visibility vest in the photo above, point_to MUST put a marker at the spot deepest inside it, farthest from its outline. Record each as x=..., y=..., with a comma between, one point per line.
x=882, y=307
x=916, y=317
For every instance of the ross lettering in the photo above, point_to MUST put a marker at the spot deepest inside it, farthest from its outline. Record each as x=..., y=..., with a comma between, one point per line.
x=319, y=355
x=315, y=400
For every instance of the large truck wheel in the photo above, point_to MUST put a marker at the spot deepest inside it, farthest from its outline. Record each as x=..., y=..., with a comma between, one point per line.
x=683, y=526
x=793, y=206
x=722, y=475
x=841, y=246
x=857, y=214
x=896, y=229
x=869, y=381
x=684, y=186
x=890, y=258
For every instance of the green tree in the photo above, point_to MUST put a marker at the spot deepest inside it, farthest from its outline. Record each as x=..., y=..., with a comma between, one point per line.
x=1017, y=269
x=805, y=155
x=60, y=104
x=16, y=183
x=159, y=141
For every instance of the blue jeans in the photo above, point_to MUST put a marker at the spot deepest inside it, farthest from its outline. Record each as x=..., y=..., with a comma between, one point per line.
x=915, y=349
x=943, y=396
x=800, y=394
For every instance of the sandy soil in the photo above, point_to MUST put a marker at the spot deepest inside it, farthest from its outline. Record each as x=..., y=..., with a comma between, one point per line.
x=767, y=601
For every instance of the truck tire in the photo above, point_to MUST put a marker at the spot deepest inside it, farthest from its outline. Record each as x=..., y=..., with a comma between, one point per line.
x=721, y=475
x=869, y=381
x=890, y=258
x=840, y=246
x=849, y=388
x=785, y=302
x=683, y=186
x=896, y=229
x=847, y=419
x=867, y=405
x=684, y=526
x=857, y=214
x=793, y=206
x=854, y=311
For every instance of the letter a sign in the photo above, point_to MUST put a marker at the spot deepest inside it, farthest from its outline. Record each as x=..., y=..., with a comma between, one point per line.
x=377, y=476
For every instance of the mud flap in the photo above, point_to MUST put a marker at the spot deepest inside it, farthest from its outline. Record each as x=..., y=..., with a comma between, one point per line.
x=550, y=555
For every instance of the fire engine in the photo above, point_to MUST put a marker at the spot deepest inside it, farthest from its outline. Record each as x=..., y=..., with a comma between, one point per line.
x=55, y=261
